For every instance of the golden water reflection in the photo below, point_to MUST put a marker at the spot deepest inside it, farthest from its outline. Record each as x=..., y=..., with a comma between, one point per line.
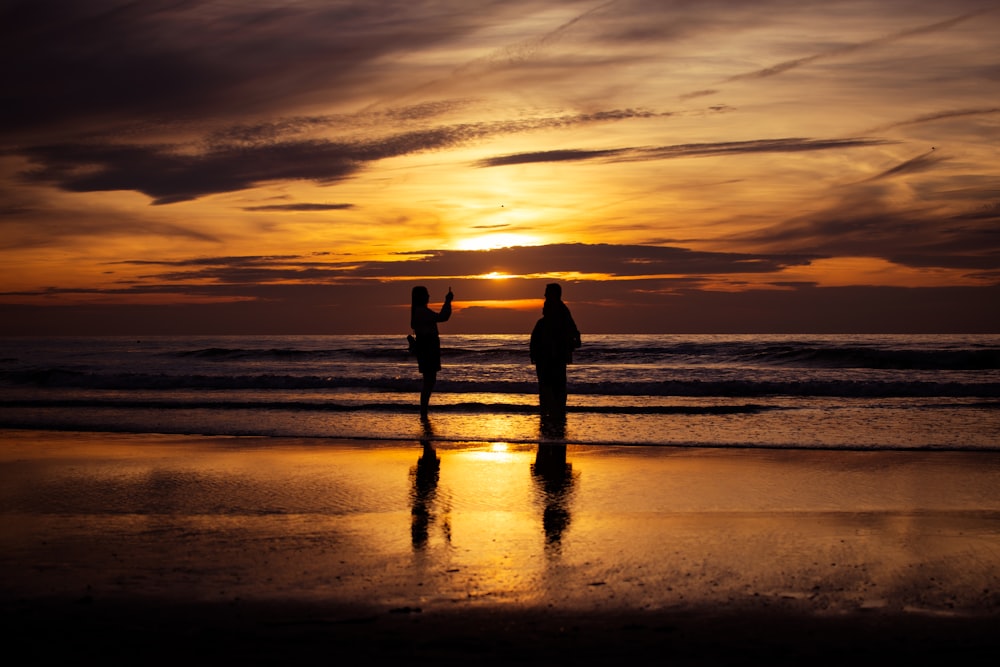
x=428, y=523
x=491, y=476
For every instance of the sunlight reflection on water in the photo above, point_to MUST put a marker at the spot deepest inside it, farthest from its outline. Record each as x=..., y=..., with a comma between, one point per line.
x=436, y=522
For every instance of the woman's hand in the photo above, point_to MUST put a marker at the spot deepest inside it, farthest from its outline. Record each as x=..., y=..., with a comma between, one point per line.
x=449, y=296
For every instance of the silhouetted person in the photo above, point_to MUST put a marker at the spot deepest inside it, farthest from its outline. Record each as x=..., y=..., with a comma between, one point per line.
x=425, y=481
x=553, y=340
x=427, y=344
x=553, y=476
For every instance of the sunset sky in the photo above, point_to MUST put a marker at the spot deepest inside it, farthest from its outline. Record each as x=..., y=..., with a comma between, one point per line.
x=680, y=166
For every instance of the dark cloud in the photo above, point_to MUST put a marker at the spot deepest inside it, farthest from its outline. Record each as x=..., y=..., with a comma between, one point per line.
x=549, y=156
x=238, y=271
x=698, y=93
x=13, y=210
x=170, y=173
x=615, y=260
x=244, y=260
x=300, y=207
x=624, y=261
x=984, y=212
x=784, y=145
x=867, y=223
x=168, y=176
x=82, y=68
x=290, y=127
x=76, y=63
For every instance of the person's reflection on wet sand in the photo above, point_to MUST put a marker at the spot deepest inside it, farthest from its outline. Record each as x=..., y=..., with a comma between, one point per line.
x=553, y=477
x=424, y=494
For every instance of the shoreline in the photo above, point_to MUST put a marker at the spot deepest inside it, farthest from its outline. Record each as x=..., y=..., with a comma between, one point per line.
x=211, y=547
x=446, y=441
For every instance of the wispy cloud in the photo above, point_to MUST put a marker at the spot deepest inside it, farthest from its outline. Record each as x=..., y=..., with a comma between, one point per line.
x=566, y=155
x=43, y=228
x=170, y=173
x=866, y=223
x=303, y=207
x=949, y=114
x=784, y=145
x=605, y=259
x=578, y=259
x=787, y=65
x=923, y=162
x=121, y=61
x=508, y=55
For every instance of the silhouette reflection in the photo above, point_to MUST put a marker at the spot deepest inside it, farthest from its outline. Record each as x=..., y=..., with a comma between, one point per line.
x=554, y=479
x=423, y=495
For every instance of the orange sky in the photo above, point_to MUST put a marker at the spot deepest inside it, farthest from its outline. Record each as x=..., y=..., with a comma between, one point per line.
x=295, y=167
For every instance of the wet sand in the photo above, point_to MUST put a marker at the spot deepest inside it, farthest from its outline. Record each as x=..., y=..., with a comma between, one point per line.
x=155, y=548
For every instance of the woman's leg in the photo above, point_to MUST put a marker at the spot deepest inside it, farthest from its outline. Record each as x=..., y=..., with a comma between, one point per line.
x=430, y=379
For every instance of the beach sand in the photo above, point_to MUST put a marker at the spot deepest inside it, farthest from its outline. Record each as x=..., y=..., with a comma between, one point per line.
x=157, y=549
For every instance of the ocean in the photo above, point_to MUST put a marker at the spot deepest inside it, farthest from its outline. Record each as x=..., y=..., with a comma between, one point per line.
x=877, y=392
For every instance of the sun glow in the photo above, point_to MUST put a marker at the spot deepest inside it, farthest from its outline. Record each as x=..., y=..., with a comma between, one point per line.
x=496, y=240
x=843, y=271
x=497, y=452
x=506, y=304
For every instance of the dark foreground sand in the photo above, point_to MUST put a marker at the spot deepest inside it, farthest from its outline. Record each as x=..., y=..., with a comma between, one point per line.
x=133, y=632
x=127, y=549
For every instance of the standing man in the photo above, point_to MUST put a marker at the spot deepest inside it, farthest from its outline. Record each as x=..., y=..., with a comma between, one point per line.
x=553, y=340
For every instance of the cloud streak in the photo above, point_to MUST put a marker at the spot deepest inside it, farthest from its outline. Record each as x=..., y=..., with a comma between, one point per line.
x=119, y=61
x=920, y=163
x=788, y=65
x=951, y=114
x=865, y=223
x=298, y=208
x=170, y=174
x=619, y=261
x=784, y=145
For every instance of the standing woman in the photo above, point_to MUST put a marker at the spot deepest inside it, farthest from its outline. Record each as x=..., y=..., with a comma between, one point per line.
x=424, y=323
